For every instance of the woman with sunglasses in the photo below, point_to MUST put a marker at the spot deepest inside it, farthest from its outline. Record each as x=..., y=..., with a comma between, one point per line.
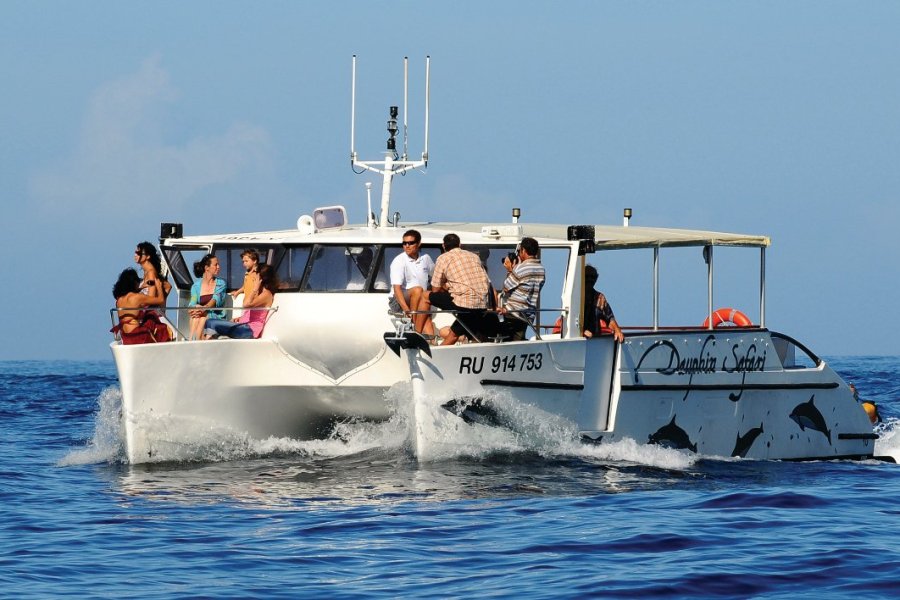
x=153, y=284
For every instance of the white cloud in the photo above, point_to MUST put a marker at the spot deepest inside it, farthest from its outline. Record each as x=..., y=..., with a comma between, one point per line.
x=121, y=157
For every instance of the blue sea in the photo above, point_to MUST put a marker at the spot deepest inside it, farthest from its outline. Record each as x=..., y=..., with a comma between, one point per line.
x=355, y=516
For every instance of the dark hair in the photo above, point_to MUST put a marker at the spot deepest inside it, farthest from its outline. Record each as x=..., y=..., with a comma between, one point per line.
x=415, y=234
x=149, y=250
x=129, y=282
x=451, y=241
x=268, y=279
x=530, y=245
x=200, y=265
x=253, y=254
x=590, y=275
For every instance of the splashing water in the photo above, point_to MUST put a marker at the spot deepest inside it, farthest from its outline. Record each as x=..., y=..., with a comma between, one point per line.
x=429, y=433
x=107, y=442
x=888, y=443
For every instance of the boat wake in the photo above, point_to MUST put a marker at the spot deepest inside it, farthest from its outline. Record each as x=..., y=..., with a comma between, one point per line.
x=888, y=443
x=438, y=435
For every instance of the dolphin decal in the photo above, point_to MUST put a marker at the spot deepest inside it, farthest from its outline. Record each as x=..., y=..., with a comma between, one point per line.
x=473, y=410
x=672, y=436
x=744, y=442
x=806, y=415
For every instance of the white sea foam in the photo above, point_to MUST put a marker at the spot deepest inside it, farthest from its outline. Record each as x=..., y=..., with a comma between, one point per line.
x=106, y=445
x=888, y=442
x=428, y=432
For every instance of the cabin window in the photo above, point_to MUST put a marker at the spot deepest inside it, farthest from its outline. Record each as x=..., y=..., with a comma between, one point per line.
x=290, y=265
x=346, y=268
x=232, y=265
x=392, y=252
x=179, y=269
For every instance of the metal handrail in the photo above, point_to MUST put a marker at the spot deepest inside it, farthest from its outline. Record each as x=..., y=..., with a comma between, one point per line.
x=114, y=313
x=536, y=326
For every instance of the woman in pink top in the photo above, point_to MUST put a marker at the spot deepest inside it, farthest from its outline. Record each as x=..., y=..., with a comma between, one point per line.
x=251, y=322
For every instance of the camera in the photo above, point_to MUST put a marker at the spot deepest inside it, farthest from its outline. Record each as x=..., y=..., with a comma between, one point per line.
x=512, y=256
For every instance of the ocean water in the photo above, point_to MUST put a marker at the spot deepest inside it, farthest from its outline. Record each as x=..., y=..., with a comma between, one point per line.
x=532, y=515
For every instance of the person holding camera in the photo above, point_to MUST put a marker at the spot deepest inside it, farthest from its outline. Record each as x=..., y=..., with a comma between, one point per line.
x=521, y=288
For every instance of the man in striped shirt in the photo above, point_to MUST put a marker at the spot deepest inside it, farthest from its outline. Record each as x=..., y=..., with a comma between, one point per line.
x=522, y=288
x=460, y=284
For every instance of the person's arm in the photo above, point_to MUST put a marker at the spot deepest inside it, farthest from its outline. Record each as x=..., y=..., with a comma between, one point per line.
x=439, y=277
x=140, y=301
x=195, y=293
x=218, y=298
x=606, y=312
x=262, y=299
x=511, y=282
x=401, y=299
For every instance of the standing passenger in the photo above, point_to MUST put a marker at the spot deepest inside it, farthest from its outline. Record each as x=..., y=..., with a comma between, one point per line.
x=153, y=284
x=250, y=260
x=410, y=275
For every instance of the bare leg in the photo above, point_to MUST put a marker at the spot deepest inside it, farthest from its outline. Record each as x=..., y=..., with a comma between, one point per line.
x=201, y=324
x=197, y=324
x=450, y=338
x=418, y=301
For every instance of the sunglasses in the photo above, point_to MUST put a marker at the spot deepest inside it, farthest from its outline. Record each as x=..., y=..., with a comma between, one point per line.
x=405, y=243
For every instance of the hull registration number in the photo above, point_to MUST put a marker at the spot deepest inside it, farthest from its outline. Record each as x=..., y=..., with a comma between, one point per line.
x=510, y=363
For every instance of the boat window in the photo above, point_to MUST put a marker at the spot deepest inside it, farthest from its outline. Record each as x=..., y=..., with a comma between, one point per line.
x=232, y=266
x=392, y=252
x=178, y=268
x=290, y=265
x=352, y=268
x=555, y=261
x=492, y=260
x=793, y=354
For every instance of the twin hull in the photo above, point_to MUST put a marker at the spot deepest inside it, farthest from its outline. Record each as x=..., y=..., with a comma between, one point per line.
x=722, y=393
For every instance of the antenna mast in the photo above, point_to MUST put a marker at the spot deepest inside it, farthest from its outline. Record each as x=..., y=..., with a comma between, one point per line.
x=393, y=163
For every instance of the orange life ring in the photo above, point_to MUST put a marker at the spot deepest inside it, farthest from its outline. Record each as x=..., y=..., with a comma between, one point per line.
x=729, y=315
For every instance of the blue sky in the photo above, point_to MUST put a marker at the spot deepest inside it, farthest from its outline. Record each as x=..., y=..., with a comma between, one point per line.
x=780, y=118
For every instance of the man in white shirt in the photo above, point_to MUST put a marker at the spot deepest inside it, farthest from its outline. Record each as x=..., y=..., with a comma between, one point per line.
x=410, y=276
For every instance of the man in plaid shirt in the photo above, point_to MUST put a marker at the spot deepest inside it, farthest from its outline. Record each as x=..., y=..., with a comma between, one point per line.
x=460, y=284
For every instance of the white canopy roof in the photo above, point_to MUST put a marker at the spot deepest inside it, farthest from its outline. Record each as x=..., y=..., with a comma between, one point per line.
x=612, y=236
x=607, y=237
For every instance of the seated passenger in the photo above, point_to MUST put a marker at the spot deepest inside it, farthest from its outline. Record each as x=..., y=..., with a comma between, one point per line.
x=410, y=275
x=598, y=314
x=251, y=322
x=207, y=292
x=460, y=284
x=136, y=325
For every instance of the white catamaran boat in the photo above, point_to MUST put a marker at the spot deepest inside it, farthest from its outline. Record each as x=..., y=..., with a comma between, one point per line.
x=331, y=351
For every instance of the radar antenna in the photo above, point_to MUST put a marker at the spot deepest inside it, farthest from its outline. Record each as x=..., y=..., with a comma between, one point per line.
x=393, y=163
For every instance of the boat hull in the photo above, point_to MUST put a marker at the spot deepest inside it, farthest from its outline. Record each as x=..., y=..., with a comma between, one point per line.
x=723, y=393
x=175, y=394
